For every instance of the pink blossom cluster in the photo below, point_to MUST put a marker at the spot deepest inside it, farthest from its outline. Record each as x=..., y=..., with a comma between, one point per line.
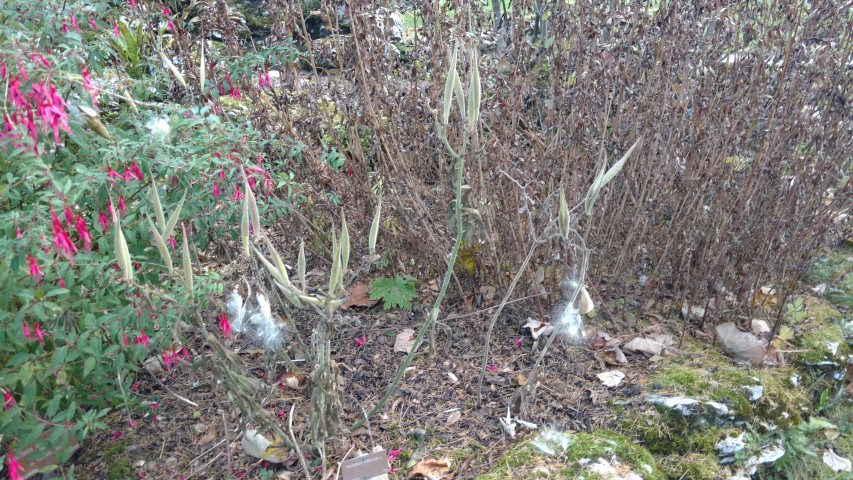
x=39, y=108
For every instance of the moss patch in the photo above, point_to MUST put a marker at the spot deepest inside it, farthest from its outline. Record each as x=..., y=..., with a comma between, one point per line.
x=695, y=466
x=526, y=461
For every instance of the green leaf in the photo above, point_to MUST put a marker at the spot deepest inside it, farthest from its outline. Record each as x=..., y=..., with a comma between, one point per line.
x=88, y=365
x=394, y=292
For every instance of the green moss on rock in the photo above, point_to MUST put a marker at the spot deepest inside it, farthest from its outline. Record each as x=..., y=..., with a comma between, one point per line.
x=525, y=461
x=695, y=466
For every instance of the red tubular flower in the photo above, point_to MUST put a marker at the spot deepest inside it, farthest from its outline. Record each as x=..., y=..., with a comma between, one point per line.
x=103, y=221
x=172, y=241
x=224, y=325
x=74, y=23
x=216, y=191
x=136, y=171
x=124, y=339
x=84, y=233
x=63, y=244
x=18, y=233
x=92, y=23
x=61, y=282
x=238, y=195
x=69, y=216
x=35, y=271
x=15, y=468
x=132, y=4
x=8, y=400
x=112, y=174
x=26, y=331
x=116, y=31
x=142, y=338
x=39, y=333
x=90, y=86
x=121, y=205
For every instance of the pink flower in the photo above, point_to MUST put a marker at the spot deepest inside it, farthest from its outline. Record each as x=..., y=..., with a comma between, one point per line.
x=184, y=353
x=112, y=174
x=61, y=282
x=39, y=333
x=235, y=92
x=15, y=468
x=216, y=191
x=142, y=338
x=360, y=341
x=69, y=216
x=18, y=233
x=136, y=171
x=92, y=23
x=172, y=241
x=393, y=453
x=103, y=221
x=238, y=195
x=84, y=233
x=517, y=341
x=132, y=4
x=74, y=22
x=26, y=331
x=491, y=368
x=8, y=400
x=124, y=339
x=224, y=325
x=90, y=86
x=167, y=360
x=110, y=210
x=116, y=31
x=60, y=238
x=35, y=271
x=222, y=174
x=121, y=205
x=116, y=435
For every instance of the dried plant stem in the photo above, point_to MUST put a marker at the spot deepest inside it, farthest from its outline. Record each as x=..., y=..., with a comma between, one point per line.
x=521, y=269
x=296, y=448
x=429, y=324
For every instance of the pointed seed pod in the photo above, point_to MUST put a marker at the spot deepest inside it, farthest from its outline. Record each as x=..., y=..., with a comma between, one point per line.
x=448, y=89
x=161, y=245
x=345, y=244
x=374, y=230
x=563, y=219
x=244, y=227
x=174, y=217
x=474, y=92
x=188, y=266
x=300, y=265
x=158, y=207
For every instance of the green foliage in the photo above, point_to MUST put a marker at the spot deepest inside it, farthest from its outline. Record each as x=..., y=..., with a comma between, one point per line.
x=397, y=292
x=69, y=325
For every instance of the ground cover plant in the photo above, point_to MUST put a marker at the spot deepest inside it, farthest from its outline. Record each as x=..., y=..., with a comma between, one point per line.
x=620, y=230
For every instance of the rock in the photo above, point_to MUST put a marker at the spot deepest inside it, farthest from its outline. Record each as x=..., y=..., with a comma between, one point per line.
x=729, y=446
x=697, y=410
x=742, y=346
x=645, y=346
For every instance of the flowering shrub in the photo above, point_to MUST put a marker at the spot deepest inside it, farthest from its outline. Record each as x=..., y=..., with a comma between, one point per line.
x=77, y=159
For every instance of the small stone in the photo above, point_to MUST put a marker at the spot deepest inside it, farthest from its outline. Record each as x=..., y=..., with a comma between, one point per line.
x=199, y=428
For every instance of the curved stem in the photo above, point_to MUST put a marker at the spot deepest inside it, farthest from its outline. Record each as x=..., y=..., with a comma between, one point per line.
x=433, y=314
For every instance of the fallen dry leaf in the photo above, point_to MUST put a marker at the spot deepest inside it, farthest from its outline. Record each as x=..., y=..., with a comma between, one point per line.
x=836, y=462
x=454, y=417
x=259, y=446
x=765, y=297
x=612, y=378
x=405, y=340
x=645, y=346
x=599, y=341
x=614, y=356
x=742, y=346
x=357, y=296
x=431, y=469
x=488, y=292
